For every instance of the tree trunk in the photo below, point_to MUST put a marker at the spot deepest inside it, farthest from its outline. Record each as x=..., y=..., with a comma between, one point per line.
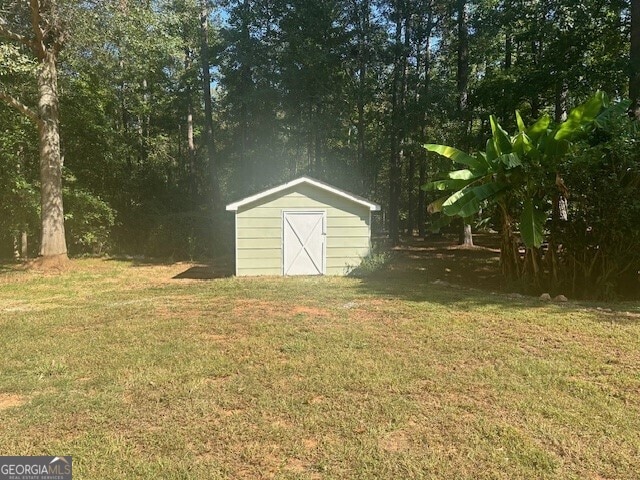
x=462, y=77
x=634, y=76
x=467, y=237
x=561, y=100
x=53, y=241
x=190, y=167
x=411, y=194
x=463, y=94
x=191, y=150
x=404, y=121
x=532, y=272
x=508, y=50
x=208, y=108
x=45, y=43
x=422, y=195
x=24, y=245
x=362, y=86
x=509, y=255
x=536, y=48
x=247, y=168
x=395, y=138
x=16, y=248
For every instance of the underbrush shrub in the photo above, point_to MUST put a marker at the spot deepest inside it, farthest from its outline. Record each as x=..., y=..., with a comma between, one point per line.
x=88, y=222
x=600, y=242
x=371, y=264
x=188, y=235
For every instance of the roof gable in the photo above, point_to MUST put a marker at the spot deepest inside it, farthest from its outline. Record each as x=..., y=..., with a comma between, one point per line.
x=303, y=180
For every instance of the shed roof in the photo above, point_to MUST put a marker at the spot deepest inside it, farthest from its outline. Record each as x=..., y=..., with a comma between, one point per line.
x=310, y=181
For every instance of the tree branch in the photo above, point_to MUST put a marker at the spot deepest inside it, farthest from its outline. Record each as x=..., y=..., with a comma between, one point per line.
x=36, y=20
x=6, y=33
x=21, y=107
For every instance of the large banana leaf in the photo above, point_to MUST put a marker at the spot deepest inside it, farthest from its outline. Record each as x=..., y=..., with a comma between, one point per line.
x=454, y=154
x=581, y=116
x=521, y=126
x=444, y=184
x=436, y=205
x=464, y=174
x=532, y=223
x=455, y=181
x=466, y=202
x=463, y=203
x=606, y=118
x=438, y=223
x=488, y=190
x=523, y=146
x=535, y=131
x=510, y=160
x=491, y=153
x=501, y=138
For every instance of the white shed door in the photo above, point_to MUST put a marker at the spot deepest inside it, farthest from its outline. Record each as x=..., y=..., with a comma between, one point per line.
x=304, y=234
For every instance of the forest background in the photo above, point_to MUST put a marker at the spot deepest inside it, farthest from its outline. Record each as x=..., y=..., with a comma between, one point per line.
x=169, y=109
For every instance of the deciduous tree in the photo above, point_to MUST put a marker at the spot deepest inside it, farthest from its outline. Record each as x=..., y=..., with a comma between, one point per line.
x=39, y=30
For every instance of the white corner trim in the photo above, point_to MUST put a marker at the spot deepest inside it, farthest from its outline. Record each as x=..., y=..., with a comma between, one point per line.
x=233, y=207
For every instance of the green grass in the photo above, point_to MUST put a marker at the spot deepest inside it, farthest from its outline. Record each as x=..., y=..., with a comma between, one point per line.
x=139, y=375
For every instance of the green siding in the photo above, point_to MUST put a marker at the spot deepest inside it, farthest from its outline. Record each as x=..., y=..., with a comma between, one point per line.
x=250, y=254
x=252, y=243
x=259, y=230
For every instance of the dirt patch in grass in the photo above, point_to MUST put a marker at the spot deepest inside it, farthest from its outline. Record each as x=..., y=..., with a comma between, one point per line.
x=8, y=400
x=394, y=442
x=296, y=465
x=268, y=309
x=310, y=443
x=251, y=308
x=311, y=311
x=53, y=263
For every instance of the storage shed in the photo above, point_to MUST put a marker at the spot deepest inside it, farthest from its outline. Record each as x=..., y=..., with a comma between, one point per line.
x=303, y=227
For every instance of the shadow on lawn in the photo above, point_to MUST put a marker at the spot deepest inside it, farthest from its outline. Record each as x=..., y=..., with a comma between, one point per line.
x=7, y=266
x=438, y=270
x=218, y=268
x=204, y=272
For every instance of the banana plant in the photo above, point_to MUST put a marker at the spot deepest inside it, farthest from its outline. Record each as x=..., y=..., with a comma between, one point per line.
x=512, y=165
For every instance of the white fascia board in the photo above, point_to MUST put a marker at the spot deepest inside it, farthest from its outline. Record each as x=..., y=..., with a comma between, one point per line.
x=233, y=207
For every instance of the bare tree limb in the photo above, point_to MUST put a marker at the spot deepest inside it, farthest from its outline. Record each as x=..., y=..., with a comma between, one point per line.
x=36, y=25
x=6, y=33
x=19, y=106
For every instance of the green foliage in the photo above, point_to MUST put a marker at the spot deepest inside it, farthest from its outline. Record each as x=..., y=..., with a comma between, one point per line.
x=601, y=241
x=88, y=222
x=14, y=62
x=517, y=166
x=19, y=205
x=523, y=175
x=532, y=222
x=324, y=88
x=19, y=193
x=373, y=263
x=181, y=235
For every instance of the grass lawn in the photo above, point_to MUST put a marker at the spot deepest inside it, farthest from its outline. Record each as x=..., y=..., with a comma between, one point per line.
x=140, y=375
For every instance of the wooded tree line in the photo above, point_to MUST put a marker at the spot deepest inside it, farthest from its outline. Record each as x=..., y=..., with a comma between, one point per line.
x=170, y=108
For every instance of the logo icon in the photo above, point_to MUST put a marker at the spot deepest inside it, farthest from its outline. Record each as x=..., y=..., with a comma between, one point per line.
x=36, y=468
